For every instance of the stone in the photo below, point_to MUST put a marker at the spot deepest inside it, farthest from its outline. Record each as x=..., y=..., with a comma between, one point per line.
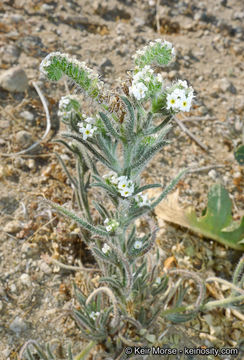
x=24, y=139
x=9, y=53
x=25, y=280
x=13, y=227
x=14, y=80
x=27, y=115
x=45, y=268
x=224, y=85
x=18, y=325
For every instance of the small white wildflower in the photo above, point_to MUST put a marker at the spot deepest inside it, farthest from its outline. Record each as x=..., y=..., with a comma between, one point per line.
x=158, y=280
x=172, y=101
x=126, y=192
x=105, y=248
x=138, y=244
x=109, y=228
x=138, y=90
x=90, y=120
x=185, y=104
x=87, y=131
x=94, y=315
x=142, y=200
x=182, y=83
x=106, y=221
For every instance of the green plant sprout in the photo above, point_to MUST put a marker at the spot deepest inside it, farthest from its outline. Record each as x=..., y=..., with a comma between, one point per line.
x=132, y=297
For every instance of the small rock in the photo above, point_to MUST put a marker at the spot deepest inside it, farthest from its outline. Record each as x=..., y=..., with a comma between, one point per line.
x=212, y=174
x=106, y=63
x=45, y=268
x=24, y=139
x=239, y=15
x=13, y=227
x=25, y=279
x=16, y=18
x=18, y=325
x=172, y=74
x=14, y=79
x=224, y=85
x=1, y=305
x=9, y=53
x=13, y=288
x=27, y=115
x=29, y=249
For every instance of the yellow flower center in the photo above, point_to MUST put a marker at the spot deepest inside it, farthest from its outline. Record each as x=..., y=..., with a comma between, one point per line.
x=87, y=132
x=172, y=101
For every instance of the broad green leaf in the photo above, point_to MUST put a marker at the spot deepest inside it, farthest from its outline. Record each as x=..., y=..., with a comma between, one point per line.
x=216, y=223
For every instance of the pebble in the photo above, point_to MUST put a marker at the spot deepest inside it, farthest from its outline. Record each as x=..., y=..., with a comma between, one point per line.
x=13, y=288
x=13, y=227
x=45, y=268
x=25, y=280
x=14, y=80
x=212, y=174
x=27, y=115
x=29, y=249
x=1, y=305
x=9, y=53
x=106, y=63
x=24, y=139
x=18, y=325
x=224, y=85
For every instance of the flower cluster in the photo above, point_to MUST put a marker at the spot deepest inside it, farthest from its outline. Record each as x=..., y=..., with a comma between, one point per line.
x=142, y=200
x=179, y=97
x=68, y=105
x=143, y=82
x=87, y=128
x=105, y=248
x=158, y=52
x=94, y=315
x=123, y=185
x=56, y=65
x=111, y=224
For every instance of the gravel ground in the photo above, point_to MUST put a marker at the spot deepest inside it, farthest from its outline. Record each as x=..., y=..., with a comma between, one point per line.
x=209, y=39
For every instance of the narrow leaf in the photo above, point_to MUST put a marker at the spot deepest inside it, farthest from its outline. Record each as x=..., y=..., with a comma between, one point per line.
x=74, y=217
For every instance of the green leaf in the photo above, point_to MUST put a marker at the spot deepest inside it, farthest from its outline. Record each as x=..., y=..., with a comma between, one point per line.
x=109, y=126
x=239, y=155
x=78, y=220
x=216, y=223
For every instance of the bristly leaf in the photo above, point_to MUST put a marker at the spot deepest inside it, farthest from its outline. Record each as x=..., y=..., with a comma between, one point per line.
x=90, y=148
x=109, y=126
x=131, y=121
x=169, y=188
x=74, y=217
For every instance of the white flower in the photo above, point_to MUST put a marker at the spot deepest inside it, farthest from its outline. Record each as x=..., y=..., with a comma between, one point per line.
x=142, y=200
x=138, y=244
x=179, y=93
x=158, y=280
x=126, y=192
x=109, y=228
x=138, y=90
x=106, y=221
x=94, y=315
x=172, y=101
x=90, y=120
x=105, y=248
x=185, y=104
x=87, y=131
x=182, y=83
